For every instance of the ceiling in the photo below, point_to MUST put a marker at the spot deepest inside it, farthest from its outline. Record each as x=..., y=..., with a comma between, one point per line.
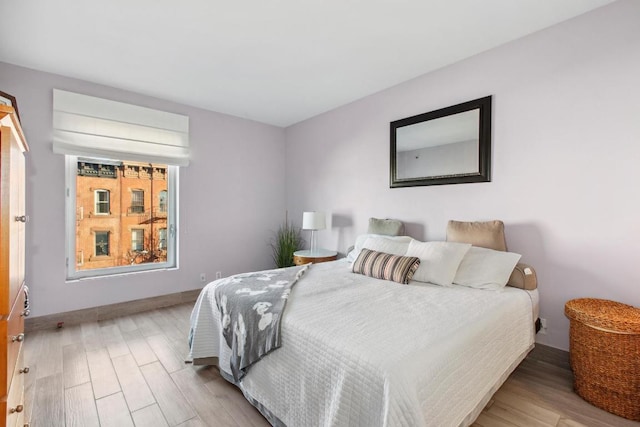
x=274, y=61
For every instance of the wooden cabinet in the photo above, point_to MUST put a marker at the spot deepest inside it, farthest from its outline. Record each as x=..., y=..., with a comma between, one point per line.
x=13, y=308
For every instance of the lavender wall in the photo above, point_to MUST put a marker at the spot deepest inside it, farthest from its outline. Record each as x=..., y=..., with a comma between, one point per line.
x=231, y=198
x=566, y=155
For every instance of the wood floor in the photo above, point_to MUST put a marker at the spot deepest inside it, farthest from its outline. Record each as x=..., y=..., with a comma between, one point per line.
x=130, y=371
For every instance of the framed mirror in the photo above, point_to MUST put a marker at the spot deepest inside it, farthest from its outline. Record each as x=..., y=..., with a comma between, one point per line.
x=451, y=145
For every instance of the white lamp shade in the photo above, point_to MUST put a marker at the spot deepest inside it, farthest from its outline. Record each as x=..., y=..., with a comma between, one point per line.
x=313, y=221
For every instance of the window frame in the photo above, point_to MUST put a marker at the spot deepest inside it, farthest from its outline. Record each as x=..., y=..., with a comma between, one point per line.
x=96, y=201
x=135, y=203
x=162, y=201
x=74, y=274
x=162, y=238
x=135, y=231
x=95, y=243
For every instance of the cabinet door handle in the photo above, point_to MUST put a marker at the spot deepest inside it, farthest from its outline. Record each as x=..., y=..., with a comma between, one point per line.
x=25, y=313
x=19, y=338
x=18, y=408
x=21, y=218
x=24, y=370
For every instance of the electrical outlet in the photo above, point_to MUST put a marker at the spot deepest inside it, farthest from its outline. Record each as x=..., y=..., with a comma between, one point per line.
x=543, y=326
x=218, y=274
x=203, y=277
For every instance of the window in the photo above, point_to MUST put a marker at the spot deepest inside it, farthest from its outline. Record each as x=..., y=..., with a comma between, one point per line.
x=102, y=202
x=137, y=201
x=102, y=243
x=125, y=234
x=137, y=240
x=133, y=152
x=162, y=240
x=162, y=202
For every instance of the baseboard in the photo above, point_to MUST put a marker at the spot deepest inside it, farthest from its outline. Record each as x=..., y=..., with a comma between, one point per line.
x=110, y=311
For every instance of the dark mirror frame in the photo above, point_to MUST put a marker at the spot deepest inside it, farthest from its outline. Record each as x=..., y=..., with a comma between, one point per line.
x=484, y=145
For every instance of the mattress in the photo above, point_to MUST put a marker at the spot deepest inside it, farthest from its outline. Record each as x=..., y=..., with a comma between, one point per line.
x=358, y=351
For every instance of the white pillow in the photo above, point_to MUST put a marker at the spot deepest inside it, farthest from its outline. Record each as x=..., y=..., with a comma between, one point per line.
x=351, y=256
x=439, y=261
x=484, y=268
x=387, y=245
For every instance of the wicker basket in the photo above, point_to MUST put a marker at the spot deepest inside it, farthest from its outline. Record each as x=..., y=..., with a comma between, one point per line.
x=605, y=354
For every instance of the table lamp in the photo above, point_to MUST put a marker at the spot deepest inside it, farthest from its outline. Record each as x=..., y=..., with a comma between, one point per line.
x=313, y=221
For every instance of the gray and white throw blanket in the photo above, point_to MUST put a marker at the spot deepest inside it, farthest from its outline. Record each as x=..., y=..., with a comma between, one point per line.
x=251, y=306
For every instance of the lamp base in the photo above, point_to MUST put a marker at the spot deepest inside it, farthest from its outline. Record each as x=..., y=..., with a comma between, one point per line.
x=313, y=244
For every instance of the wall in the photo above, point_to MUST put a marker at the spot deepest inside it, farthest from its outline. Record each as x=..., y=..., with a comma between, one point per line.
x=566, y=150
x=231, y=198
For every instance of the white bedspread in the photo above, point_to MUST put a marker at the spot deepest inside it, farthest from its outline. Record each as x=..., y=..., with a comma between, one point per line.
x=358, y=351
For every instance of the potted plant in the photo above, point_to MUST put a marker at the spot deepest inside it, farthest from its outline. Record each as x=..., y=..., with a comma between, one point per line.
x=286, y=241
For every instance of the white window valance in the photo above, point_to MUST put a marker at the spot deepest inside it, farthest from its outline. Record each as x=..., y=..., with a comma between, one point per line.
x=95, y=127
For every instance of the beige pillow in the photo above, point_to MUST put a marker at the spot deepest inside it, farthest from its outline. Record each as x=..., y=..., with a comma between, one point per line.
x=523, y=277
x=488, y=234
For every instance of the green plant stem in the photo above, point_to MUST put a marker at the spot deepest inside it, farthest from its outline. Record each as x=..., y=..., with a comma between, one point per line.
x=287, y=240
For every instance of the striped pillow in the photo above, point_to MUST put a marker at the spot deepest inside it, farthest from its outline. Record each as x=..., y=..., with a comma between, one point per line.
x=384, y=266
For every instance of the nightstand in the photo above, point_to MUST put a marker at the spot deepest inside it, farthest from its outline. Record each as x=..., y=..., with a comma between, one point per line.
x=320, y=255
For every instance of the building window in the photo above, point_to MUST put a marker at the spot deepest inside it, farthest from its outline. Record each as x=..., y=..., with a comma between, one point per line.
x=162, y=202
x=162, y=239
x=102, y=243
x=137, y=201
x=137, y=240
x=101, y=198
x=124, y=234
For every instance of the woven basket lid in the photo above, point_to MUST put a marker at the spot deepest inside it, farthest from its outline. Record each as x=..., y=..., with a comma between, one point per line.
x=600, y=313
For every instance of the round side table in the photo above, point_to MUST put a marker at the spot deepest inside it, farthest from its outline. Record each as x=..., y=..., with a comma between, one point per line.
x=320, y=255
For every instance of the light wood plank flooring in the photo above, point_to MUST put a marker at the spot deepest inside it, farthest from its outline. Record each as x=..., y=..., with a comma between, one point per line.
x=130, y=371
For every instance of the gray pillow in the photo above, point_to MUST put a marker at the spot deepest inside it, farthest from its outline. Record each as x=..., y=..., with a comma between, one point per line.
x=389, y=227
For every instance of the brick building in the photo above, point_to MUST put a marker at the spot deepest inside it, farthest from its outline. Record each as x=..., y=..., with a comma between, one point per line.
x=121, y=213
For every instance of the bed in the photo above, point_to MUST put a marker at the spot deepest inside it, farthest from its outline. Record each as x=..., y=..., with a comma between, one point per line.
x=362, y=351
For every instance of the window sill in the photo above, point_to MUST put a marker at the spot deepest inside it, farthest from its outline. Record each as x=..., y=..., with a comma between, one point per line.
x=118, y=274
